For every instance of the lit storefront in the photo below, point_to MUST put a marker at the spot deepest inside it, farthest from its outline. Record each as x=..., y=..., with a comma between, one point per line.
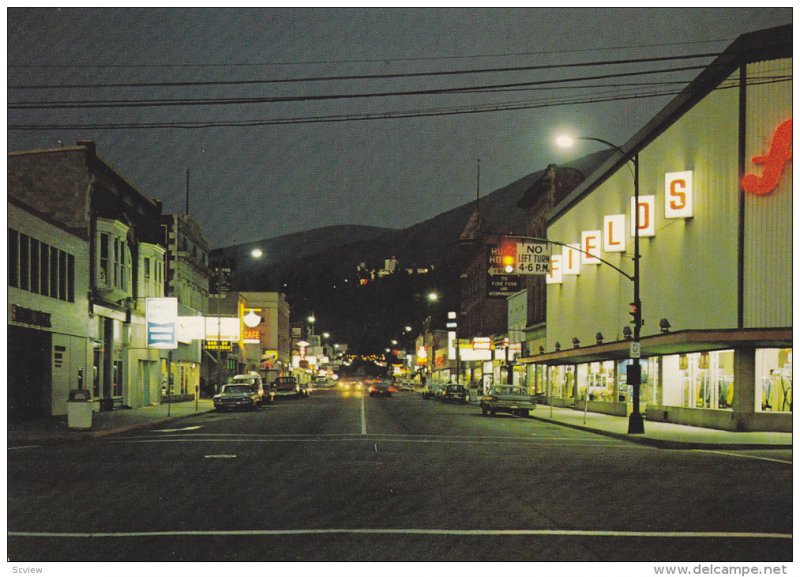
x=715, y=224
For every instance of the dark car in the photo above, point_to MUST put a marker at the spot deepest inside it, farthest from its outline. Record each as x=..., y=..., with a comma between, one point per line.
x=287, y=387
x=508, y=399
x=457, y=393
x=254, y=380
x=235, y=396
x=381, y=390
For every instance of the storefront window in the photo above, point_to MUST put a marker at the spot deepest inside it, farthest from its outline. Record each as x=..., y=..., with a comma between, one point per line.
x=648, y=386
x=562, y=381
x=699, y=380
x=598, y=380
x=774, y=380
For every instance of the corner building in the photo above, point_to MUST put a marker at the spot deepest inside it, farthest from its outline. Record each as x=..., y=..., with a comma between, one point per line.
x=715, y=212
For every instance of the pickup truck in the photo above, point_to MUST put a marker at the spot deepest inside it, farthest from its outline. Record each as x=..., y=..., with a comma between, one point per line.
x=508, y=399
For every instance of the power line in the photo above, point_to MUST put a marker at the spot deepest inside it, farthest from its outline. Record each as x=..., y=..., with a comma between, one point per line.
x=190, y=83
x=383, y=60
x=500, y=107
x=307, y=98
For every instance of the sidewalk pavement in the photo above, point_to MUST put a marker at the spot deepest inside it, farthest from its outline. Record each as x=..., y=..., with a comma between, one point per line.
x=667, y=435
x=658, y=434
x=53, y=430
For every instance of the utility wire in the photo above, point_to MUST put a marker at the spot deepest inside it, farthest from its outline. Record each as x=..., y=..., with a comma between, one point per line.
x=307, y=98
x=190, y=83
x=384, y=60
x=371, y=116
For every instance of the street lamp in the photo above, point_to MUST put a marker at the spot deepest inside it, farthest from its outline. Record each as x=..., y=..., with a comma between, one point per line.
x=635, y=422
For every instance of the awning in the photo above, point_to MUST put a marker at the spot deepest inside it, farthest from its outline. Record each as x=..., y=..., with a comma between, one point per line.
x=671, y=343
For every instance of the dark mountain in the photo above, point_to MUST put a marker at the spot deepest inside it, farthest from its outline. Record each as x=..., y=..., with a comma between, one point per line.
x=291, y=247
x=317, y=269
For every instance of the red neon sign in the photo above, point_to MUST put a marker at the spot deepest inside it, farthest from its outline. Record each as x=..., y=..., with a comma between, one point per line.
x=780, y=152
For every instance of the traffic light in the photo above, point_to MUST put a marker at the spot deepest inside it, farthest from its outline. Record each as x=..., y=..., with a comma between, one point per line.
x=508, y=257
x=636, y=314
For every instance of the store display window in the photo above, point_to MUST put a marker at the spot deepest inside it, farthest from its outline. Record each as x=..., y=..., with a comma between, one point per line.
x=774, y=380
x=562, y=381
x=699, y=380
x=598, y=380
x=647, y=388
x=536, y=379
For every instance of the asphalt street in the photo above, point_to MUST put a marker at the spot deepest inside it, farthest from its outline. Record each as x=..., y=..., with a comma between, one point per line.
x=351, y=478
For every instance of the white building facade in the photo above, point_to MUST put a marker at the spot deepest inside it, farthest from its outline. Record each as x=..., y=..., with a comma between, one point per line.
x=715, y=228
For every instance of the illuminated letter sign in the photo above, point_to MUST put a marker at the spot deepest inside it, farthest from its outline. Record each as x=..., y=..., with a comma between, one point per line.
x=555, y=276
x=571, y=259
x=590, y=243
x=780, y=151
x=614, y=233
x=647, y=225
x=678, y=193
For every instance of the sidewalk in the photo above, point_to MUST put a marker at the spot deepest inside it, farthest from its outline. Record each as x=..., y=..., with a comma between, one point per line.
x=666, y=435
x=54, y=429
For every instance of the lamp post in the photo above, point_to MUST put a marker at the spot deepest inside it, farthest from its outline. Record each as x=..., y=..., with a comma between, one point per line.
x=635, y=421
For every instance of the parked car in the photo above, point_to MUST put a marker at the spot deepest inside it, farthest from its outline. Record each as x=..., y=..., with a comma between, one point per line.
x=286, y=387
x=265, y=395
x=454, y=393
x=236, y=396
x=382, y=389
x=431, y=390
x=508, y=399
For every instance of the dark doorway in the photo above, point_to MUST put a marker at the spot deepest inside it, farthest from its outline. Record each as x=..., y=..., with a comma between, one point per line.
x=29, y=373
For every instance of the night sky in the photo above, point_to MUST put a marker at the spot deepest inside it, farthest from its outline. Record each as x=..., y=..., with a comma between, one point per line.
x=386, y=147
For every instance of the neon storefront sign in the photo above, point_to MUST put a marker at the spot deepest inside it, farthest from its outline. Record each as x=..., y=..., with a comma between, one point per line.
x=774, y=161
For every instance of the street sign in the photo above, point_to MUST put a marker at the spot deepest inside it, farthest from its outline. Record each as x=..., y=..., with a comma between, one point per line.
x=533, y=258
x=499, y=284
x=636, y=349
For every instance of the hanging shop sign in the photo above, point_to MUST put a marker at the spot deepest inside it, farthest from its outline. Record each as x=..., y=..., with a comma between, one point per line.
x=422, y=356
x=218, y=346
x=161, y=315
x=498, y=284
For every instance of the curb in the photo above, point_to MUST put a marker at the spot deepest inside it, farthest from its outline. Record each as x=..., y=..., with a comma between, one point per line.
x=664, y=443
x=89, y=435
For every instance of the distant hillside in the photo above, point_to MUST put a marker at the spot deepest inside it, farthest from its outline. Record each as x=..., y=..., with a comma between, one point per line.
x=292, y=247
x=316, y=269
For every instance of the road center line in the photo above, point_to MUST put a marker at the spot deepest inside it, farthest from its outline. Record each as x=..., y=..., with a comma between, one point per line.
x=363, y=417
x=438, y=532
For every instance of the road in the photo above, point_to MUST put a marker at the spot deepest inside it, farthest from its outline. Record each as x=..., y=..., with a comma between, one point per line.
x=348, y=478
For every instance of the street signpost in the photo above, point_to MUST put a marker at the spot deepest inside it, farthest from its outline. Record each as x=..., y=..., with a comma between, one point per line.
x=533, y=258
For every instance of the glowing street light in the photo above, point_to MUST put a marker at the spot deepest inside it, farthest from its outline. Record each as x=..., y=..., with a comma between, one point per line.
x=256, y=253
x=635, y=422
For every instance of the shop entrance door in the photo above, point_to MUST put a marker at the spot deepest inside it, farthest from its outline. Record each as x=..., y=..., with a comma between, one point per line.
x=29, y=373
